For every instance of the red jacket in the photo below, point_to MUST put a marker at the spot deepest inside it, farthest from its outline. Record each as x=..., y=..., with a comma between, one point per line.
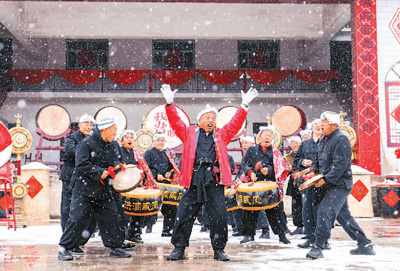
x=222, y=138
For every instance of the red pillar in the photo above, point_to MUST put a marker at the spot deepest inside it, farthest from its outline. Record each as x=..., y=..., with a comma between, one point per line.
x=365, y=85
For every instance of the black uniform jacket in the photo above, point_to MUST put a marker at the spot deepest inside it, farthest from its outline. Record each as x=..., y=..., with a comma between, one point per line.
x=70, y=146
x=93, y=156
x=158, y=162
x=256, y=154
x=334, y=160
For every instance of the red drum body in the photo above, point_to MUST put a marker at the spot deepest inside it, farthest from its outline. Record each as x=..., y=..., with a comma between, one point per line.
x=289, y=119
x=230, y=199
x=258, y=196
x=142, y=202
x=172, y=194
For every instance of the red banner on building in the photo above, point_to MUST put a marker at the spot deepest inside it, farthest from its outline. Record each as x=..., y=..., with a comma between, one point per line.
x=365, y=86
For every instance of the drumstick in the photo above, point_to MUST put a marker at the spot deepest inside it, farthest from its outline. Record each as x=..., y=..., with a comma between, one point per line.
x=296, y=175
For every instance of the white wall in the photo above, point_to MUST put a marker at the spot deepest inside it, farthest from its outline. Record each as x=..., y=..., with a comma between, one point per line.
x=388, y=55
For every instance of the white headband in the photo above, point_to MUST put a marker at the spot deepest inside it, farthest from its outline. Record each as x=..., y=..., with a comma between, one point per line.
x=125, y=132
x=331, y=117
x=294, y=138
x=207, y=110
x=270, y=128
x=159, y=135
x=86, y=118
x=105, y=123
x=306, y=132
x=247, y=138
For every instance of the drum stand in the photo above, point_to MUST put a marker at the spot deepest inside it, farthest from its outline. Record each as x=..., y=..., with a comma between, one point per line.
x=40, y=147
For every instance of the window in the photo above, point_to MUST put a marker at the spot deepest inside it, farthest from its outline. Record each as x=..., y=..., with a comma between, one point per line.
x=87, y=54
x=173, y=55
x=6, y=53
x=259, y=55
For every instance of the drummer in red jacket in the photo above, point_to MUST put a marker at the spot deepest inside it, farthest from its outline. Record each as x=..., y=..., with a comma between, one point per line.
x=205, y=170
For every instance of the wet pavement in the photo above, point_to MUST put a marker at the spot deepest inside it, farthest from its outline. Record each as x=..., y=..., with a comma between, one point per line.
x=35, y=248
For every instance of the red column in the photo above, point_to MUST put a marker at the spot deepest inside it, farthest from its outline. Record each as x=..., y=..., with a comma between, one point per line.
x=365, y=85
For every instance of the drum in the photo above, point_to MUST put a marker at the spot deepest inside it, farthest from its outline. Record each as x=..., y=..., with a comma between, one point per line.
x=112, y=112
x=310, y=183
x=142, y=202
x=258, y=196
x=230, y=199
x=350, y=133
x=157, y=121
x=289, y=119
x=127, y=180
x=53, y=120
x=172, y=194
x=289, y=159
x=225, y=114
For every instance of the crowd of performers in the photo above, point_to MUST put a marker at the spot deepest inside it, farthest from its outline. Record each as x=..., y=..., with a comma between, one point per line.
x=93, y=157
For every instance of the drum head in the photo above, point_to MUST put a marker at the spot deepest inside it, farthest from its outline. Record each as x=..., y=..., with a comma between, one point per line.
x=114, y=112
x=349, y=133
x=157, y=121
x=288, y=120
x=142, y=192
x=310, y=183
x=127, y=180
x=53, y=120
x=144, y=140
x=225, y=114
x=257, y=186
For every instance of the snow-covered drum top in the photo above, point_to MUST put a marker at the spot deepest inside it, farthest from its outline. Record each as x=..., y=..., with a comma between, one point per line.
x=225, y=114
x=53, y=120
x=5, y=144
x=288, y=120
x=157, y=121
x=112, y=112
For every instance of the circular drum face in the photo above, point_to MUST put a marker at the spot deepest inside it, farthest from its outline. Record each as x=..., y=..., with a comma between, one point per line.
x=288, y=120
x=113, y=112
x=225, y=114
x=53, y=120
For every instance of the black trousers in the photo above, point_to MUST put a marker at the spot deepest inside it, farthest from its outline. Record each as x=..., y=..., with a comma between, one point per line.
x=66, y=195
x=334, y=206
x=105, y=213
x=274, y=217
x=169, y=211
x=297, y=209
x=188, y=210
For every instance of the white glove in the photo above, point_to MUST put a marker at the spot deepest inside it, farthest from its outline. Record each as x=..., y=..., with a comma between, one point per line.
x=249, y=96
x=168, y=93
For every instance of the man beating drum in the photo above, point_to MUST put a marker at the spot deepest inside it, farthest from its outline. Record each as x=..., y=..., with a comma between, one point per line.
x=205, y=172
x=263, y=162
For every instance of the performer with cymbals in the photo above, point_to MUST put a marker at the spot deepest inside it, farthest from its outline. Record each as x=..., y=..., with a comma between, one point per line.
x=263, y=162
x=334, y=162
x=205, y=172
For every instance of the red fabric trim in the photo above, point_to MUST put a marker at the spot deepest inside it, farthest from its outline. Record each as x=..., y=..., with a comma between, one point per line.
x=173, y=77
x=81, y=77
x=268, y=77
x=316, y=77
x=221, y=77
x=29, y=76
x=126, y=77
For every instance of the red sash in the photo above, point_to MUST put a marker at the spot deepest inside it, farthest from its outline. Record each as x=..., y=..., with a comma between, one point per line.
x=150, y=181
x=175, y=179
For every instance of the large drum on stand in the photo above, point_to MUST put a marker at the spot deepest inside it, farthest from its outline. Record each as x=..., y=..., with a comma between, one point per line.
x=53, y=121
x=142, y=201
x=258, y=195
x=113, y=112
x=225, y=114
x=289, y=119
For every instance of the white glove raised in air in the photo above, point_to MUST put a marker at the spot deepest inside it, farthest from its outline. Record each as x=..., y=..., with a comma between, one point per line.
x=168, y=93
x=249, y=96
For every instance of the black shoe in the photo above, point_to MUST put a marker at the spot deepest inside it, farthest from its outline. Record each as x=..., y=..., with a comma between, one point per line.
x=149, y=229
x=246, y=239
x=298, y=230
x=128, y=245
x=76, y=251
x=284, y=240
x=177, y=254
x=326, y=246
x=136, y=239
x=315, y=253
x=64, y=255
x=119, y=253
x=306, y=244
x=220, y=255
x=236, y=234
x=265, y=234
x=305, y=237
x=166, y=234
x=363, y=250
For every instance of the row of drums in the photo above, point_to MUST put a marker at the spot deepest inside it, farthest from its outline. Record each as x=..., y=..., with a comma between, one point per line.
x=144, y=201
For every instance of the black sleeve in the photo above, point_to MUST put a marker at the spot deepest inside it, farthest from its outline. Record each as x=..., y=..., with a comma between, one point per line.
x=84, y=163
x=70, y=148
x=247, y=161
x=150, y=162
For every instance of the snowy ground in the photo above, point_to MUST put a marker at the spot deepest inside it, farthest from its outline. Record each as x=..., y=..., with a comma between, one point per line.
x=35, y=248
